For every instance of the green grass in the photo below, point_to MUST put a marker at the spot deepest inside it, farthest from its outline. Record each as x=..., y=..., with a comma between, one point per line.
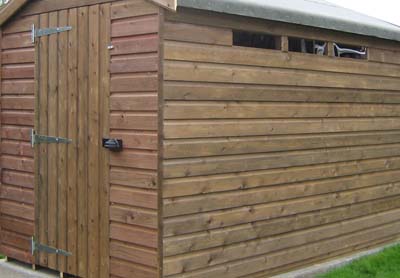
x=2, y=256
x=385, y=264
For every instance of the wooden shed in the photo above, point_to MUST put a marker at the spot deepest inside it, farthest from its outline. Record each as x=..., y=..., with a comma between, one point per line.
x=197, y=139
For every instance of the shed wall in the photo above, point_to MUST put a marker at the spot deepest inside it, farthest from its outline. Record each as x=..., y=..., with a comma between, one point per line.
x=134, y=118
x=17, y=119
x=133, y=110
x=273, y=160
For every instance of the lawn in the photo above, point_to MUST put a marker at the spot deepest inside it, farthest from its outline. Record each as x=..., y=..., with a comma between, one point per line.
x=385, y=264
x=1, y=256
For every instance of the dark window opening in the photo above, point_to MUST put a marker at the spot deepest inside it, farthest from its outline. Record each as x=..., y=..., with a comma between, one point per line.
x=350, y=51
x=256, y=40
x=308, y=46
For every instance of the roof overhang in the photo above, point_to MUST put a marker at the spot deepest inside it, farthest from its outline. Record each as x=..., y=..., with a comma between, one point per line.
x=15, y=5
x=314, y=13
x=10, y=9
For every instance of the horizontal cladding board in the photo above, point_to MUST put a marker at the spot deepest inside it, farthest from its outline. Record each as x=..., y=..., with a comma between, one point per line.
x=281, y=258
x=135, y=102
x=23, y=211
x=134, y=234
x=127, y=270
x=124, y=9
x=133, y=254
x=135, y=159
x=25, y=180
x=241, y=163
x=17, y=225
x=18, y=87
x=205, y=72
x=135, y=26
x=137, y=44
x=210, y=202
x=17, y=148
x=234, y=92
x=134, y=64
x=384, y=56
x=227, y=253
x=17, y=102
x=134, y=197
x=15, y=56
x=18, y=254
x=250, y=231
x=137, y=139
x=23, y=164
x=246, y=180
x=197, y=33
x=17, y=40
x=24, y=196
x=247, y=127
x=274, y=58
x=348, y=251
x=17, y=117
x=20, y=24
x=133, y=178
x=256, y=110
x=224, y=218
x=134, y=121
x=15, y=133
x=134, y=83
x=186, y=148
x=18, y=71
x=15, y=240
x=134, y=216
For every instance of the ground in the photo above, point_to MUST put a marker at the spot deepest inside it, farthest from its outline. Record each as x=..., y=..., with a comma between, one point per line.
x=385, y=264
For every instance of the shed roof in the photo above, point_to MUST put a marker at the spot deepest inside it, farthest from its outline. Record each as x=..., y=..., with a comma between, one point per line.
x=315, y=13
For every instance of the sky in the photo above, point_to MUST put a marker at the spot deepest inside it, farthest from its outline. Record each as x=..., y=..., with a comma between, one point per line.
x=388, y=10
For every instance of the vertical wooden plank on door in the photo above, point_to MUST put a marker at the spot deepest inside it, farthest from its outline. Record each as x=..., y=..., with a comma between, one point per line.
x=82, y=140
x=52, y=148
x=93, y=144
x=62, y=132
x=72, y=218
x=104, y=93
x=1, y=166
x=42, y=184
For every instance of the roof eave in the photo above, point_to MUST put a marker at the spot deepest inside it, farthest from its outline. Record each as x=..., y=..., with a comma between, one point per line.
x=10, y=9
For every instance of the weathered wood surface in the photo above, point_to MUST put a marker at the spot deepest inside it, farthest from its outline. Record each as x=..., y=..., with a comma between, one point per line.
x=273, y=159
x=134, y=244
x=17, y=119
x=72, y=179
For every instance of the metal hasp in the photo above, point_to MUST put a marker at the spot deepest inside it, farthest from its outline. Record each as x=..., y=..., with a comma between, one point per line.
x=38, y=139
x=37, y=247
x=36, y=33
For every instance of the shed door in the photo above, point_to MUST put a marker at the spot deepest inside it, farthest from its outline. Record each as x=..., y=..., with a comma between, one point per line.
x=71, y=178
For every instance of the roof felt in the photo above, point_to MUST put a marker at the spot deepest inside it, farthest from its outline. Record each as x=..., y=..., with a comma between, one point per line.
x=315, y=13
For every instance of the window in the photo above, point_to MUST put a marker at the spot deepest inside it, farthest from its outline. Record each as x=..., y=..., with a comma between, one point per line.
x=350, y=51
x=308, y=46
x=256, y=40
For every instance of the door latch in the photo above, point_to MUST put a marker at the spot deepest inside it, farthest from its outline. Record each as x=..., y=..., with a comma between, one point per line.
x=114, y=145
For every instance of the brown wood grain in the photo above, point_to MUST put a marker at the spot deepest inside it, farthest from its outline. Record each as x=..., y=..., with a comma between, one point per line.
x=225, y=108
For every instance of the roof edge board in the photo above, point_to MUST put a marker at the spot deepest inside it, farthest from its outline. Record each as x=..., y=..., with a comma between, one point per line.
x=10, y=9
x=168, y=4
